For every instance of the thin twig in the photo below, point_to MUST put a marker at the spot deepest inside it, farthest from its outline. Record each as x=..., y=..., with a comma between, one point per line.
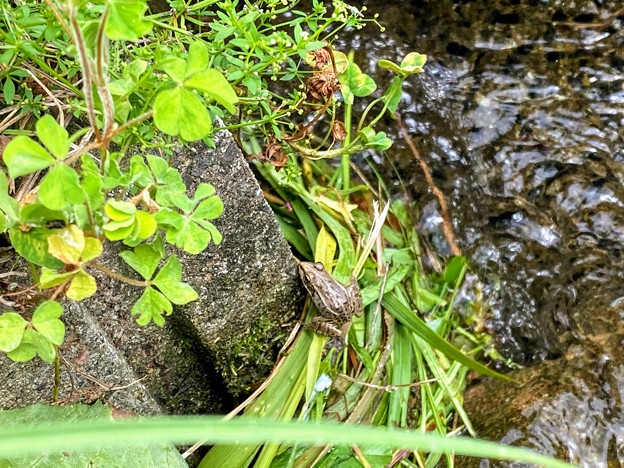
x=447, y=225
x=49, y=93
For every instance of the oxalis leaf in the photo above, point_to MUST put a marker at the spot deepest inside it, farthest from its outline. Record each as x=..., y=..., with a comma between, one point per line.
x=125, y=20
x=178, y=111
x=23, y=156
x=82, y=286
x=151, y=306
x=12, y=327
x=168, y=280
x=144, y=260
x=360, y=84
x=53, y=136
x=33, y=343
x=33, y=246
x=59, y=187
x=46, y=321
x=213, y=83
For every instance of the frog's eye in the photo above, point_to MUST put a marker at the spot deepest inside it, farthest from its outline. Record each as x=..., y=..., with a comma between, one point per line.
x=319, y=266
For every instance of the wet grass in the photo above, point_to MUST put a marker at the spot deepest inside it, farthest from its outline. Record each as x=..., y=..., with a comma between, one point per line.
x=400, y=367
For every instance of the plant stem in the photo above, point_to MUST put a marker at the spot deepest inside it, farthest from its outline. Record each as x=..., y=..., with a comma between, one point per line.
x=346, y=157
x=117, y=276
x=57, y=375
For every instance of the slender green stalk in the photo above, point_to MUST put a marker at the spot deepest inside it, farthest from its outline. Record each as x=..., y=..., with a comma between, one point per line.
x=26, y=440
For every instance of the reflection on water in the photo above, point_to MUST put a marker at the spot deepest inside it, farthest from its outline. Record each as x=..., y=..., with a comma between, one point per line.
x=520, y=113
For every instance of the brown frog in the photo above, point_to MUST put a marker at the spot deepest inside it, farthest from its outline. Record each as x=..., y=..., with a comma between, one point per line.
x=335, y=303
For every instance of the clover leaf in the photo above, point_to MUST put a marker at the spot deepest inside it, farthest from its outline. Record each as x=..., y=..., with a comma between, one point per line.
x=154, y=303
x=71, y=247
x=12, y=328
x=191, y=230
x=22, y=342
x=178, y=110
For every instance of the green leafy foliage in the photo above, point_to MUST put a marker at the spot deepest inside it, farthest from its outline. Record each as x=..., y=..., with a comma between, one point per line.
x=191, y=229
x=23, y=340
x=154, y=303
x=179, y=111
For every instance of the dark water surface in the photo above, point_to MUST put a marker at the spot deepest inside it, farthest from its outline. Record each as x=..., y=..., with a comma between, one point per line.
x=520, y=114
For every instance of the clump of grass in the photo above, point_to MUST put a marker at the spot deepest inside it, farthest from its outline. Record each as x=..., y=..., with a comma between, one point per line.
x=399, y=368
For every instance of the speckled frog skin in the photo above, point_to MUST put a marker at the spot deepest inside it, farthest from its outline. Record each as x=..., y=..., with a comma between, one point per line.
x=335, y=303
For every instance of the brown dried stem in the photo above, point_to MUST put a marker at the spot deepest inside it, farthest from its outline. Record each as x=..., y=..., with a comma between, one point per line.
x=447, y=226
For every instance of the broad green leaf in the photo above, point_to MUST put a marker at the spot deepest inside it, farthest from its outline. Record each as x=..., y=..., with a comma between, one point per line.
x=325, y=248
x=174, y=66
x=144, y=260
x=212, y=229
x=159, y=166
x=192, y=238
x=33, y=246
x=360, y=84
x=119, y=210
x=27, y=348
x=82, y=285
x=93, y=186
x=45, y=348
x=50, y=278
x=179, y=111
x=168, y=280
x=4, y=223
x=37, y=214
x=59, y=187
x=126, y=20
x=12, y=328
x=389, y=65
x=53, y=136
x=213, y=83
x=208, y=209
x=67, y=245
x=46, y=321
x=170, y=217
x=117, y=230
x=146, y=224
x=135, y=69
x=151, y=306
x=138, y=455
x=413, y=62
x=9, y=91
x=33, y=343
x=8, y=205
x=197, y=58
x=204, y=191
x=121, y=87
x=92, y=249
x=393, y=95
x=23, y=156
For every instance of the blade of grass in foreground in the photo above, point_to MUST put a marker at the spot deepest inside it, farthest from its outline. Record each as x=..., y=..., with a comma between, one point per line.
x=25, y=440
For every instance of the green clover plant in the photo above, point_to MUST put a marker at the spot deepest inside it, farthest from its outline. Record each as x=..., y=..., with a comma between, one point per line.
x=124, y=78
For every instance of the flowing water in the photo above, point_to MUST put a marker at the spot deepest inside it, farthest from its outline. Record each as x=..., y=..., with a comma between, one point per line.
x=520, y=115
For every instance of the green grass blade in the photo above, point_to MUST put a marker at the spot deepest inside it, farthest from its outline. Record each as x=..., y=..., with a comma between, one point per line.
x=30, y=440
x=408, y=318
x=401, y=375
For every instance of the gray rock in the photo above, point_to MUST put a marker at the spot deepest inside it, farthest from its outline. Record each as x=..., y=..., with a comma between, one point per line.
x=91, y=369
x=213, y=348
